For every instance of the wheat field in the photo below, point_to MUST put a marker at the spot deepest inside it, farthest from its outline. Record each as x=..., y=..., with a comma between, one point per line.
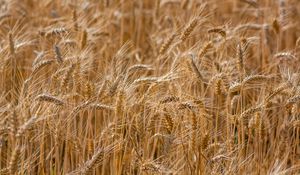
x=142, y=87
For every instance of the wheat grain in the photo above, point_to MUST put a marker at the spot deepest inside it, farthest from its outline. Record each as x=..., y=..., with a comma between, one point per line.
x=50, y=98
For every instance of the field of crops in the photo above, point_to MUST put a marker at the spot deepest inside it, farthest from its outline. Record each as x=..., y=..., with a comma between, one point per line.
x=142, y=87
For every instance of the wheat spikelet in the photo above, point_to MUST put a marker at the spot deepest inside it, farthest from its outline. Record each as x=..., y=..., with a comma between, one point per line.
x=69, y=43
x=11, y=44
x=120, y=104
x=220, y=31
x=276, y=26
x=165, y=46
x=13, y=123
x=102, y=106
x=255, y=121
x=234, y=100
x=4, y=16
x=186, y=105
x=205, y=141
x=195, y=129
x=169, y=99
x=54, y=32
x=253, y=3
x=276, y=92
x=25, y=87
x=293, y=99
x=200, y=103
x=49, y=98
x=296, y=124
x=213, y=146
x=219, y=158
x=196, y=70
x=189, y=29
x=57, y=31
x=115, y=85
x=139, y=67
x=157, y=7
x=290, y=104
x=149, y=166
x=89, y=90
x=80, y=107
x=98, y=158
x=285, y=55
x=250, y=26
x=83, y=39
x=56, y=75
x=77, y=76
x=251, y=110
x=235, y=87
x=26, y=126
x=205, y=49
x=58, y=55
x=145, y=80
x=124, y=50
x=41, y=65
x=234, y=103
x=74, y=18
x=240, y=56
x=101, y=89
x=217, y=66
x=39, y=56
x=218, y=88
x=66, y=78
x=13, y=164
x=259, y=124
x=184, y=4
x=255, y=78
x=168, y=122
x=152, y=123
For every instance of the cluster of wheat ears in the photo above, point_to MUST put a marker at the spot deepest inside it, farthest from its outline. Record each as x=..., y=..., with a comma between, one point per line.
x=149, y=87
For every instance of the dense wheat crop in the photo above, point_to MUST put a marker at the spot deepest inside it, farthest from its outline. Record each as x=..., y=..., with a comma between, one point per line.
x=118, y=87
